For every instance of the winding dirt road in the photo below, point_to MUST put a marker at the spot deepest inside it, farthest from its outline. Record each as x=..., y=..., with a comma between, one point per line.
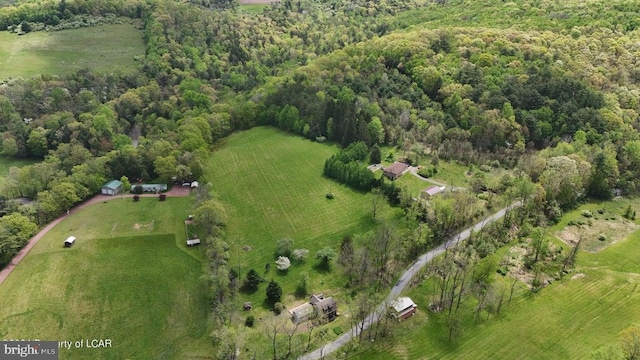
x=175, y=191
x=402, y=283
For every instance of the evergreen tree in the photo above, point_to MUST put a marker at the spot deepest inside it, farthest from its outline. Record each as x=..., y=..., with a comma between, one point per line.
x=274, y=292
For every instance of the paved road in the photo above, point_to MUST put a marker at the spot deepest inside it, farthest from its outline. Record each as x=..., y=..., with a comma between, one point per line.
x=402, y=283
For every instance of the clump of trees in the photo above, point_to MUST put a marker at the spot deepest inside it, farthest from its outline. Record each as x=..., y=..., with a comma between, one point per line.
x=347, y=167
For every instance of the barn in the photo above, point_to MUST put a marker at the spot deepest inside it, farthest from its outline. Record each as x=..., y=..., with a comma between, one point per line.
x=113, y=187
x=402, y=308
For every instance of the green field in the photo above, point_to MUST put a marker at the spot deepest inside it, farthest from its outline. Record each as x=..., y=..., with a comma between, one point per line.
x=7, y=163
x=129, y=278
x=573, y=318
x=253, y=8
x=272, y=187
x=61, y=52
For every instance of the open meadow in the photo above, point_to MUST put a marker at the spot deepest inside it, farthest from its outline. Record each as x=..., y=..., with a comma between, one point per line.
x=7, y=163
x=272, y=187
x=61, y=52
x=584, y=313
x=129, y=278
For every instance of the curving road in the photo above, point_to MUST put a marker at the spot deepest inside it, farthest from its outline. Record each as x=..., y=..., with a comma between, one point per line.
x=402, y=283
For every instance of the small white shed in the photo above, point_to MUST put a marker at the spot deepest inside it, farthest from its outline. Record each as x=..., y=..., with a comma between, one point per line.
x=192, y=242
x=68, y=242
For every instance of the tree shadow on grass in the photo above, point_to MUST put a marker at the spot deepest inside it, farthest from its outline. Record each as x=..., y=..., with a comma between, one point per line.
x=247, y=290
x=322, y=268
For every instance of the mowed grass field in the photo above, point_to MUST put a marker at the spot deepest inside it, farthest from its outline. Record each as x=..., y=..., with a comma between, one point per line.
x=129, y=278
x=272, y=187
x=61, y=52
x=6, y=164
x=584, y=313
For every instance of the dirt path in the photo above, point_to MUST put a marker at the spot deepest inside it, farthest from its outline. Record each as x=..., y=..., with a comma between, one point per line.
x=406, y=277
x=175, y=191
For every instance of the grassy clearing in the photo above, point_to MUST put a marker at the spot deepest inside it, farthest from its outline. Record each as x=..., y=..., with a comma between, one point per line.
x=272, y=186
x=571, y=319
x=252, y=8
x=414, y=185
x=129, y=278
x=599, y=225
x=61, y=52
x=7, y=163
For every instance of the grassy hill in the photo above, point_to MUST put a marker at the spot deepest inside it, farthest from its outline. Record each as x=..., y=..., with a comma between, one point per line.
x=129, y=278
x=272, y=187
x=61, y=52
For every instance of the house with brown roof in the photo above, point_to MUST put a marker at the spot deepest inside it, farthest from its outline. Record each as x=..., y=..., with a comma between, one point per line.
x=395, y=170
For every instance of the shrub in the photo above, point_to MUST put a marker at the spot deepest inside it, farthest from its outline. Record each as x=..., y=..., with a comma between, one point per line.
x=138, y=189
x=249, y=321
x=325, y=255
x=337, y=330
x=136, y=197
x=427, y=171
x=321, y=139
x=587, y=213
x=278, y=308
x=300, y=254
x=284, y=247
x=253, y=280
x=163, y=197
x=301, y=287
x=274, y=292
x=601, y=237
x=485, y=168
x=601, y=211
x=283, y=263
x=330, y=196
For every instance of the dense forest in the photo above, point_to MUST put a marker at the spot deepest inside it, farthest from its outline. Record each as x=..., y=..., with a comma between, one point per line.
x=551, y=90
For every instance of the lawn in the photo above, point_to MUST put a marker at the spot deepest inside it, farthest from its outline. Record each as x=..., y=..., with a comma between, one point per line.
x=253, y=8
x=7, y=163
x=585, y=312
x=61, y=52
x=129, y=278
x=272, y=187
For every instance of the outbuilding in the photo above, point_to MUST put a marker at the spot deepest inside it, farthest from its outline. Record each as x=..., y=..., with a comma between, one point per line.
x=68, y=242
x=403, y=307
x=432, y=190
x=193, y=242
x=113, y=187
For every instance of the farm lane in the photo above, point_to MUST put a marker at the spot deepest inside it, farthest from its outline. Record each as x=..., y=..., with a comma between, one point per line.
x=414, y=170
x=175, y=191
x=402, y=283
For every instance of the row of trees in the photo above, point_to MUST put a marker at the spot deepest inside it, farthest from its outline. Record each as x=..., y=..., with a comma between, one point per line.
x=347, y=167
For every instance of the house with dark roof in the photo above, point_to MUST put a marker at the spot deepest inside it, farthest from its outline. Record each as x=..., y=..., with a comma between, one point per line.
x=113, y=187
x=395, y=170
x=318, y=307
